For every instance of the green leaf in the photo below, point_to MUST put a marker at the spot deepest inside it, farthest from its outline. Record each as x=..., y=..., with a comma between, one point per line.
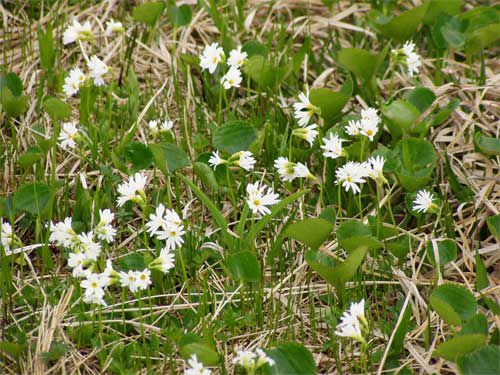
x=438, y=7
x=352, y=234
x=234, y=136
x=46, y=45
x=274, y=212
x=12, y=82
x=312, y=232
x=399, y=117
x=57, y=350
x=254, y=47
x=132, y=262
x=205, y=351
x=56, y=109
x=30, y=157
x=421, y=98
x=416, y=154
x=487, y=145
x=358, y=61
x=447, y=250
x=13, y=106
x=485, y=361
x=139, y=155
x=206, y=174
x=148, y=13
x=291, y=358
x=218, y=217
x=339, y=275
x=32, y=198
x=481, y=38
x=179, y=16
x=459, y=345
x=493, y=223
x=404, y=26
x=476, y=325
x=263, y=72
x=453, y=303
x=11, y=348
x=445, y=112
x=482, y=280
x=244, y=266
x=169, y=157
x=329, y=102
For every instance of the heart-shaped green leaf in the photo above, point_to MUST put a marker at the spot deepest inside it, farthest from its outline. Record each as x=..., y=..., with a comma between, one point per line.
x=234, y=136
x=312, y=232
x=453, y=303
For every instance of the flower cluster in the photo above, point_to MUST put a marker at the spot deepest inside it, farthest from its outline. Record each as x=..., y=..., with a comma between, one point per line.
x=132, y=190
x=409, y=57
x=97, y=71
x=332, y=146
x=158, y=126
x=165, y=224
x=353, y=322
x=366, y=126
x=213, y=55
x=252, y=360
x=352, y=173
x=242, y=159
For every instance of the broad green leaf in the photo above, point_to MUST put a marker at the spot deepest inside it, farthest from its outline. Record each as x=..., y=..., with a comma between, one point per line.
x=206, y=174
x=56, y=109
x=421, y=98
x=416, y=153
x=339, y=275
x=399, y=117
x=13, y=106
x=353, y=234
x=179, y=16
x=453, y=303
x=139, y=155
x=358, y=61
x=30, y=157
x=11, y=348
x=312, y=232
x=234, y=136
x=447, y=251
x=405, y=25
x=487, y=145
x=132, y=262
x=263, y=72
x=452, y=32
x=244, y=266
x=481, y=38
x=438, y=7
x=13, y=82
x=253, y=47
x=476, y=325
x=486, y=360
x=148, y=13
x=169, y=157
x=205, y=351
x=459, y=345
x=329, y=102
x=445, y=112
x=493, y=223
x=32, y=198
x=260, y=224
x=414, y=180
x=291, y=358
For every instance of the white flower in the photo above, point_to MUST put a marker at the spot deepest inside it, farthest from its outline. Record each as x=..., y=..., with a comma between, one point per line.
x=6, y=235
x=94, y=285
x=301, y=171
x=156, y=220
x=173, y=234
x=357, y=309
x=424, y=202
x=106, y=233
x=245, y=358
x=106, y=217
x=376, y=168
x=166, y=126
x=62, y=233
x=166, y=225
x=90, y=248
x=73, y=82
x=332, y=146
x=263, y=358
x=98, y=69
x=232, y=78
x=128, y=280
x=153, y=127
x=244, y=160
x=286, y=168
x=113, y=27
x=236, y=57
x=369, y=129
x=143, y=279
x=166, y=259
x=77, y=31
x=370, y=114
x=94, y=299
x=215, y=160
x=353, y=128
x=132, y=190
x=350, y=327
x=195, y=367
x=304, y=110
x=308, y=133
x=413, y=63
x=408, y=47
x=68, y=135
x=350, y=175
x=156, y=127
x=212, y=55
x=259, y=197
x=76, y=260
